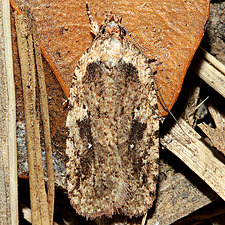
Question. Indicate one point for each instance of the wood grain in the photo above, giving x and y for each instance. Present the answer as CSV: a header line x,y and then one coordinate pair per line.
x,y
8,153
38,196
202,160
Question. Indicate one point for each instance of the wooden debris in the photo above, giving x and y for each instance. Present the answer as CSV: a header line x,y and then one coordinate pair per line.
x,y
214,209
212,60
196,155
8,153
216,136
210,74
46,124
217,111
180,192
39,203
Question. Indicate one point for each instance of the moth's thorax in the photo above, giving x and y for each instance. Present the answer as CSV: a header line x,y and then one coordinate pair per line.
x,y
109,41
110,51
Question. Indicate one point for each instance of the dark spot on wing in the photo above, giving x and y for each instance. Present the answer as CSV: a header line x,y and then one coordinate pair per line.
x,y
98,111
136,135
144,178
86,136
137,130
122,110
93,71
150,141
129,71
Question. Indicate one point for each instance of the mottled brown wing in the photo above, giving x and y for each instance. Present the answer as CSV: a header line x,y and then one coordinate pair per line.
x,y
113,132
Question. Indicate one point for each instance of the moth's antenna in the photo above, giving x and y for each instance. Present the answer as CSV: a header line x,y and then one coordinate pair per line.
x,y
127,31
89,14
166,107
94,25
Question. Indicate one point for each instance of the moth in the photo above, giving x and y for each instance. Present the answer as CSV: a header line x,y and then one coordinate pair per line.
x,y
113,138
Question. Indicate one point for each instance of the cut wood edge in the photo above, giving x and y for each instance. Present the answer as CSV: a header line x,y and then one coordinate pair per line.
x,y
12,144
196,155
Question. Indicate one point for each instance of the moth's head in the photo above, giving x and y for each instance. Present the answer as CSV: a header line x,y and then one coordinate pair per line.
x,y
112,26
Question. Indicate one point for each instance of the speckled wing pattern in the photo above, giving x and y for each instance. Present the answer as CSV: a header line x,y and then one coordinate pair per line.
x,y
113,125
